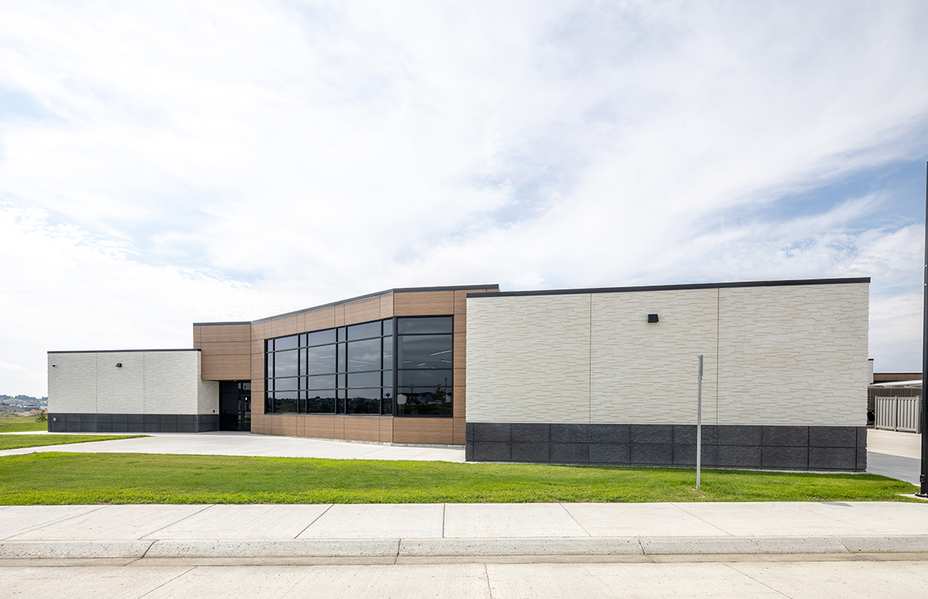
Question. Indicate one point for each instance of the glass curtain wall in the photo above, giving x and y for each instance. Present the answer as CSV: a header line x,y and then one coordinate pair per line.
x,y
343,370
424,366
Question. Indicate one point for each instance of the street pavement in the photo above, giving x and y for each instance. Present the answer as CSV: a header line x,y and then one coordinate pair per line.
x,y
721,580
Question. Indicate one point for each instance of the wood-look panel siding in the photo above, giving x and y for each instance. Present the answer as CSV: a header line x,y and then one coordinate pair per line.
x,y
422,430
362,428
386,305
458,435
363,310
320,318
211,333
386,429
423,303
225,351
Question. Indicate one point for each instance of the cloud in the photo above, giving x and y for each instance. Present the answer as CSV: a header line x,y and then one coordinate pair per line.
x,y
176,162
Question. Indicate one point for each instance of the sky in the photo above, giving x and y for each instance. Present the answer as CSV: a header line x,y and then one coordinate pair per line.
x,y
163,163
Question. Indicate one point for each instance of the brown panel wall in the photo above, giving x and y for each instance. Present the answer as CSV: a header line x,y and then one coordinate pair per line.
x,y
422,430
225,350
363,310
423,303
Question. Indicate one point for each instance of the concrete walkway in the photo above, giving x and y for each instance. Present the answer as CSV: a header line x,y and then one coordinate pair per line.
x,y
391,533
247,444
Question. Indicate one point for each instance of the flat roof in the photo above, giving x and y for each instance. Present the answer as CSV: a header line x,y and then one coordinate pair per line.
x,y
782,283
120,351
367,295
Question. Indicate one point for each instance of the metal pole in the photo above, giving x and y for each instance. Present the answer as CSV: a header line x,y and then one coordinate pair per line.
x,y
923,412
699,425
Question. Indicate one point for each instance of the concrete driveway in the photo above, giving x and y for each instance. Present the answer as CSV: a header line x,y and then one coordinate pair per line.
x,y
247,444
894,454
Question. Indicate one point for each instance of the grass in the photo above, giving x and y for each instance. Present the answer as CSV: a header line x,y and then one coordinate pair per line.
x,y
18,424
69,478
18,441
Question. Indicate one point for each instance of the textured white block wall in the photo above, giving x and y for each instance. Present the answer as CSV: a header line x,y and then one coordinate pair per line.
x,y
645,373
794,355
120,390
72,383
776,355
528,359
207,392
171,382
156,382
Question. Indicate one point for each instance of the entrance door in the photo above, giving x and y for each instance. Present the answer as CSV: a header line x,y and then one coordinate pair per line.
x,y
235,405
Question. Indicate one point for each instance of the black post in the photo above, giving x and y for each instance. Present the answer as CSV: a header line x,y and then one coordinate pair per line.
x,y
923,412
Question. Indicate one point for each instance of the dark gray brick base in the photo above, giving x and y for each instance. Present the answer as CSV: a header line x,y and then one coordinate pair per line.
x,y
132,423
730,446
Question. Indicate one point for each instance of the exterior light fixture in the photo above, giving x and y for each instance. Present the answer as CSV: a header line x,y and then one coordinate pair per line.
x,y
118,364
652,318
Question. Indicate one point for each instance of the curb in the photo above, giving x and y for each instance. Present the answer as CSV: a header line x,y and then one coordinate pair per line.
x,y
423,549
360,548
73,549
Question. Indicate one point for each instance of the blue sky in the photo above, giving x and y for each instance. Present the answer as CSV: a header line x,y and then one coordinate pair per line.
x,y
175,162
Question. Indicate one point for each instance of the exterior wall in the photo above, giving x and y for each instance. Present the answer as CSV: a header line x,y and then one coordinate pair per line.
x,y
225,350
782,364
802,352
152,391
450,301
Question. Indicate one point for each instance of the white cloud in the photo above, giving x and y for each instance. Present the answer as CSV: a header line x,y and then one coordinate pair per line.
x,y
199,161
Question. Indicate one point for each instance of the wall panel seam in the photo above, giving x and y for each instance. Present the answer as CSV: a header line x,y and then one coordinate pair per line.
x,y
718,357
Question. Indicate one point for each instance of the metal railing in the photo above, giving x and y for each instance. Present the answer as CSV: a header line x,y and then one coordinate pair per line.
x,y
897,413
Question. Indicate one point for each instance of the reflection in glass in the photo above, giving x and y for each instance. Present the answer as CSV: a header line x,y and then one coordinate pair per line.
x,y
430,324
423,401
322,337
424,351
364,331
364,355
364,401
387,353
364,379
326,381
321,402
285,342
322,359
285,363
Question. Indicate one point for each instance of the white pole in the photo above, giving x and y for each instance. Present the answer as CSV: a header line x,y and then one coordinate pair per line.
x,y
699,425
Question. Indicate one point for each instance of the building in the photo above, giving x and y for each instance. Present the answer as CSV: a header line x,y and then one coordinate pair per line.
x,y
567,376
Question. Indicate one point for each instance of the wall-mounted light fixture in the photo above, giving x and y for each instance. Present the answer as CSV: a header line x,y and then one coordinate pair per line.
x,y
652,318
118,364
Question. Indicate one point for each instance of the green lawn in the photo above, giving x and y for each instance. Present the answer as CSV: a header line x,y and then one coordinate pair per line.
x,y
18,441
69,478
18,424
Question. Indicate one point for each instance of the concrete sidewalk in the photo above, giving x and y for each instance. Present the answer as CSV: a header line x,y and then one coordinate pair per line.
x,y
392,533
248,444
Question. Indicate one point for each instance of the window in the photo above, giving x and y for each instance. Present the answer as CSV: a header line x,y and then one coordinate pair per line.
x,y
424,366
364,355
322,359
343,370
424,351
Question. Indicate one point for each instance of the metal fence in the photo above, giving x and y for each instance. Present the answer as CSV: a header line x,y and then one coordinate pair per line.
x,y
897,413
